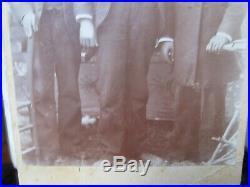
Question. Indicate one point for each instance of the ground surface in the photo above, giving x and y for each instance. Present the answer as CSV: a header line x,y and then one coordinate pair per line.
x,y
159,113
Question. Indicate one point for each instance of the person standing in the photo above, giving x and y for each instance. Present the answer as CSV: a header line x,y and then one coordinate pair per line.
x,y
201,67
54,30
125,34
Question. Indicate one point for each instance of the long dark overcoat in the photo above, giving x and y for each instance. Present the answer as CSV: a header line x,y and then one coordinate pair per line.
x,y
193,26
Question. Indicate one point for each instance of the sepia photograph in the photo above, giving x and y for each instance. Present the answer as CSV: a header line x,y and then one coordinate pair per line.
x,y
108,84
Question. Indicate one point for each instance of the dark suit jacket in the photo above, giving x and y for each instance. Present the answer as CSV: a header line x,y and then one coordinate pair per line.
x,y
193,25
99,12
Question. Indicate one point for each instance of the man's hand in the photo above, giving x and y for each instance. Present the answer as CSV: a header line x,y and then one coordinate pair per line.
x,y
167,51
29,24
87,34
216,43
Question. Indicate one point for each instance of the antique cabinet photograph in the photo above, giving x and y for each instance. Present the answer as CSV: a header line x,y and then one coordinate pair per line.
x,y
101,84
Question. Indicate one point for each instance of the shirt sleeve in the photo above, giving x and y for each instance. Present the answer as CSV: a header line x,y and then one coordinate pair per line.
x,y
83,16
163,39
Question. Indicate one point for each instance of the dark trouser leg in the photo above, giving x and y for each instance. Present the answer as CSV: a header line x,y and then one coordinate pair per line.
x,y
219,118
123,55
67,69
43,93
58,54
112,60
217,96
142,36
213,118
187,125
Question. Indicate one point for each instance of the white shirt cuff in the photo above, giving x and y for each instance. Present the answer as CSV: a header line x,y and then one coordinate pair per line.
x,y
83,16
225,35
164,39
